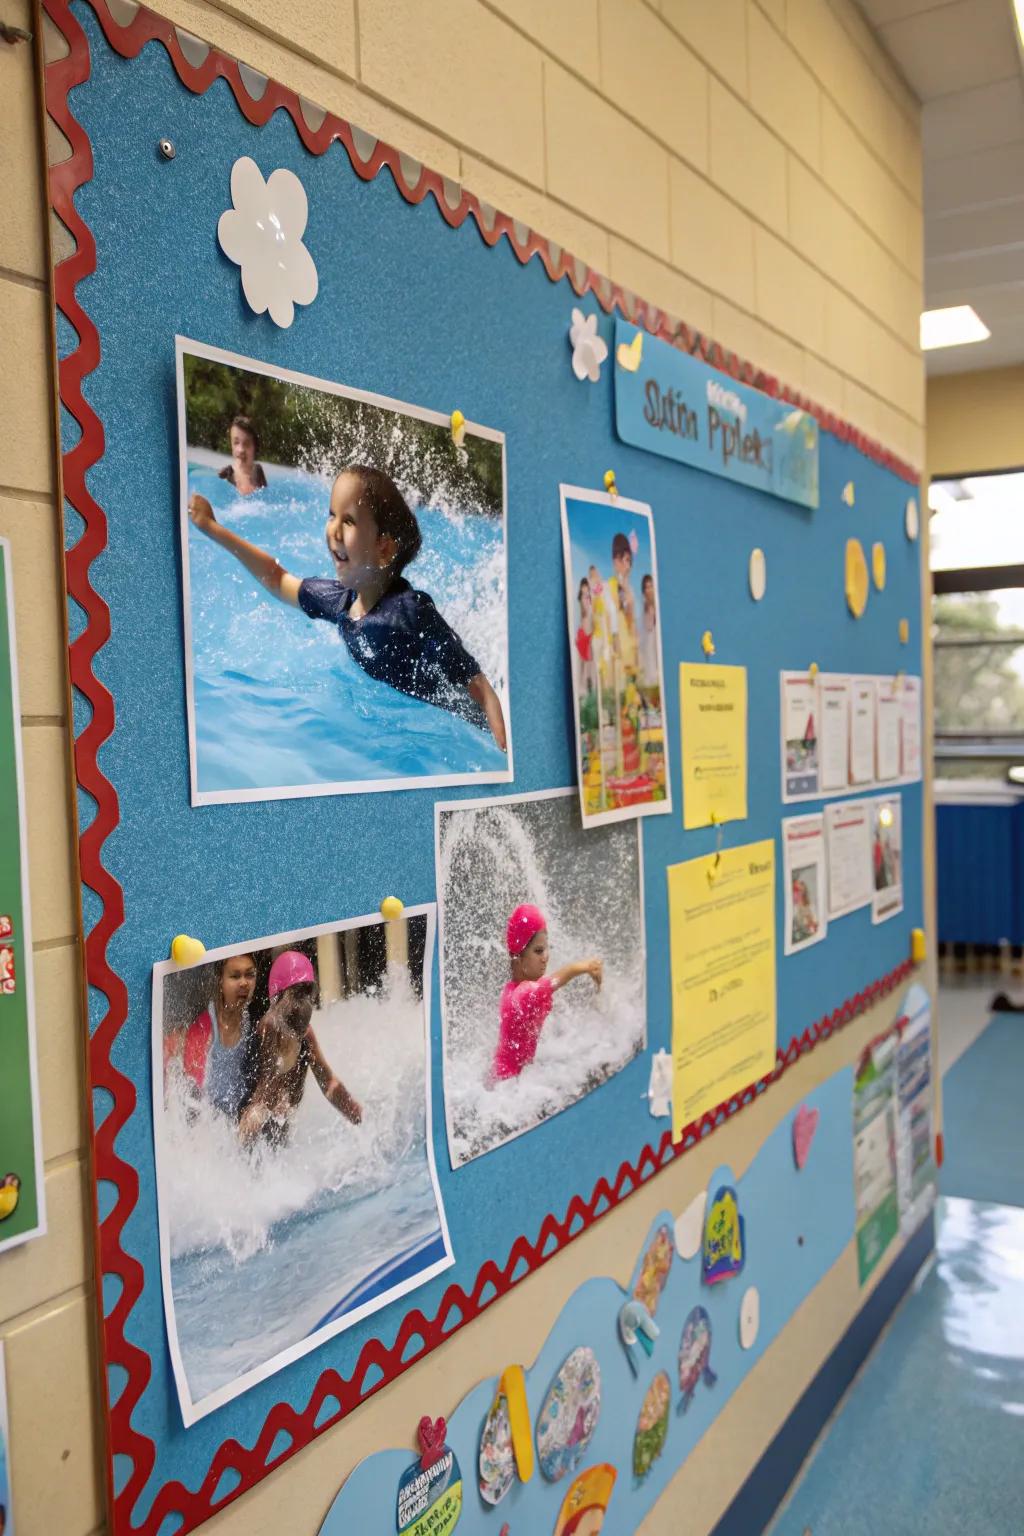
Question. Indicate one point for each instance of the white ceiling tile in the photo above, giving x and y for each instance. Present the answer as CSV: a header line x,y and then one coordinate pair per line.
x,y
881,12
978,119
955,47
982,229
977,270
971,181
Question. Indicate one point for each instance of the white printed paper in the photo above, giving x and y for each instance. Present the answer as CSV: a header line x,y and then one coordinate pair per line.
x,y
848,846
910,728
862,730
799,710
888,716
886,858
915,1166
803,849
834,724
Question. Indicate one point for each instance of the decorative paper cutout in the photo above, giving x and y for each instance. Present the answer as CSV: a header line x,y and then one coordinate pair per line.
x,y
262,233
654,1268
506,1442
652,1425
757,574
569,1415
805,1123
856,578
629,354
659,1089
724,1244
690,1227
431,1433
849,494
878,566
750,1315
588,1495
430,1493
588,349
695,1356
910,520
636,1325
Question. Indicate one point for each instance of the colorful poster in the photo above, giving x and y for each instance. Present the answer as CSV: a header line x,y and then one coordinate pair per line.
x,y
804,881
834,730
543,970
874,1153
915,1165
374,656
713,715
7,1522
910,728
801,772
613,606
673,404
722,942
862,730
888,720
886,858
296,1186
848,849
22,1195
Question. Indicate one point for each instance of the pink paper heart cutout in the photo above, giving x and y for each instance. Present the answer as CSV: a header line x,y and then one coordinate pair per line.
x,y
805,1123
431,1433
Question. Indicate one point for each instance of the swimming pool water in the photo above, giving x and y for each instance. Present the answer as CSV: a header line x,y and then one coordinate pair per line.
x,y
278,701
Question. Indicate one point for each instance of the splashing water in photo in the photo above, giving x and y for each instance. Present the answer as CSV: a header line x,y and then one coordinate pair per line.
x,y
269,1245
279,702
587,884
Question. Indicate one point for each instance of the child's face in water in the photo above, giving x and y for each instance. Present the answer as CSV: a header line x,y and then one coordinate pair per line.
x,y
533,961
238,981
359,550
243,449
298,1007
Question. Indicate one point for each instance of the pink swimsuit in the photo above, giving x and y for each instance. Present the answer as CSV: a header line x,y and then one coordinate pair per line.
x,y
524,1007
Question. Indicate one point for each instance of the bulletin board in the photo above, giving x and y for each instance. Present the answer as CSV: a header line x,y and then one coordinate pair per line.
x,y
426,295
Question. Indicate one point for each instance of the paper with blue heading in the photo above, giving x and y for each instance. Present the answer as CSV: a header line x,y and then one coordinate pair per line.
x,y
671,403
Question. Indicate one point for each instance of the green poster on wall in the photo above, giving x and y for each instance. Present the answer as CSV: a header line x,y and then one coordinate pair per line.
x,y
22,1210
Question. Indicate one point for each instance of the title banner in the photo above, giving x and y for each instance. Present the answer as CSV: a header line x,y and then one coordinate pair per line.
x,y
670,403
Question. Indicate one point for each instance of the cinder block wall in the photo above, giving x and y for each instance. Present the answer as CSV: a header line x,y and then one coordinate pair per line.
x,y
753,166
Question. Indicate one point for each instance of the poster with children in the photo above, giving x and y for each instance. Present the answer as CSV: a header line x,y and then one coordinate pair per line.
x,y
886,858
345,588
805,881
296,1184
543,994
613,606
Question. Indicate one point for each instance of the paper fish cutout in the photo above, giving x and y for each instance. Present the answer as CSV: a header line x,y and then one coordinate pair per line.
x,y
629,354
506,1442
805,1123
430,1498
690,1227
569,1416
695,1356
654,1268
652,1425
849,494
588,1495
636,1325
724,1246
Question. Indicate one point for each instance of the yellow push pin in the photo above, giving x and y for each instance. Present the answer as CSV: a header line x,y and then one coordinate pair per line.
x,y
707,645
609,482
186,951
458,425
918,946
391,908
812,671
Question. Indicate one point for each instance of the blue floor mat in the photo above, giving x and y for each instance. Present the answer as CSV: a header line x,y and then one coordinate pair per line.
x,y
983,1117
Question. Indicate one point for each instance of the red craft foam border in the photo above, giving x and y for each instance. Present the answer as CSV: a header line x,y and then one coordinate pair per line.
x,y
367,157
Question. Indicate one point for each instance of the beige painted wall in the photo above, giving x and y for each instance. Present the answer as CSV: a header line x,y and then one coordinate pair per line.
x,y
753,166
976,421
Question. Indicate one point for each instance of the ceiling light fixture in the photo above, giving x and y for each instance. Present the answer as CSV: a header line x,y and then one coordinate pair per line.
x,y
953,327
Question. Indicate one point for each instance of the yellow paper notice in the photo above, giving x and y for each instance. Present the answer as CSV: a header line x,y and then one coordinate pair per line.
x,y
713,709
723,977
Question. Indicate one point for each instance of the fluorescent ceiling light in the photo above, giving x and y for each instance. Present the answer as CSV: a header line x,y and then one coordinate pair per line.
x,y
951,327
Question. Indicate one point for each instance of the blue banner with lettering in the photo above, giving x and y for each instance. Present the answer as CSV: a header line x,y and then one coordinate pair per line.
x,y
671,403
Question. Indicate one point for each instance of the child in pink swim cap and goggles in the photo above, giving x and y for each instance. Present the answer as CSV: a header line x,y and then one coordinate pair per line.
x,y
526,999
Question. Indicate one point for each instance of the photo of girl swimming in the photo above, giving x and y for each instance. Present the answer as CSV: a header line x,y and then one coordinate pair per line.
x,y
324,1205
611,588
542,962
303,500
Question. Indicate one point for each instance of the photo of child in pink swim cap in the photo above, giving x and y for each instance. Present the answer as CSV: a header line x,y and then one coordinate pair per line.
x,y
542,962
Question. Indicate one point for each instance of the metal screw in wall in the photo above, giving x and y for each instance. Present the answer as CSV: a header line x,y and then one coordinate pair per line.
x,y
166,148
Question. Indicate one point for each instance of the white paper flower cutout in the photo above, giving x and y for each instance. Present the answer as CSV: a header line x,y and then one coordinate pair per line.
x,y
588,350
263,233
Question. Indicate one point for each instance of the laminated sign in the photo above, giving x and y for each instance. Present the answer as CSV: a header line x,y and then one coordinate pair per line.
x,y
430,1498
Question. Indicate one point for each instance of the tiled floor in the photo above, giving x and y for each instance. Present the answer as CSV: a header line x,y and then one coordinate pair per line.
x,y
928,1437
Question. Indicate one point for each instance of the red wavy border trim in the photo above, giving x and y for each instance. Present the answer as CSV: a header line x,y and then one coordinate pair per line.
x,y
457,1307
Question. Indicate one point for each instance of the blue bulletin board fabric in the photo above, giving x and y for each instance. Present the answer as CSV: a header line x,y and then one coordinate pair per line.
x,y
421,308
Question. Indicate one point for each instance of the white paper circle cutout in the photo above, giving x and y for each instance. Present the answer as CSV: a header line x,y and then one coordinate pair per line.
x,y
690,1227
910,520
262,233
750,1316
757,574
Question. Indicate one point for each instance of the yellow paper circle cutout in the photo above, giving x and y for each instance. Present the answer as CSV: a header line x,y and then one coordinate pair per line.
x,y
856,577
878,565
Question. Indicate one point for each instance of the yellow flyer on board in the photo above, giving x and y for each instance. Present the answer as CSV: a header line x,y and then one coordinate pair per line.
x,y
722,934
713,712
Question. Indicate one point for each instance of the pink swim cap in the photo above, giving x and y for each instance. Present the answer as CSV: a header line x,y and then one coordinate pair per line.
x,y
289,970
522,925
